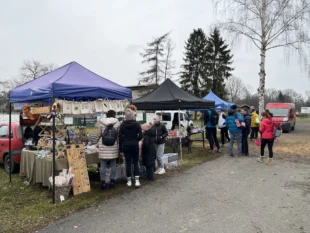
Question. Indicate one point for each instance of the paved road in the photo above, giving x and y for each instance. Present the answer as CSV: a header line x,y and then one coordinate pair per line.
x,y
235,195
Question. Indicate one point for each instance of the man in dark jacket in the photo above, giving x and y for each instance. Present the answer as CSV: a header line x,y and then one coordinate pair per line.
x,y
211,120
246,131
130,133
160,133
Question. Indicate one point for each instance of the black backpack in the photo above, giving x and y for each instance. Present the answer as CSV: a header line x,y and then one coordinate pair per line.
x,y
109,136
214,118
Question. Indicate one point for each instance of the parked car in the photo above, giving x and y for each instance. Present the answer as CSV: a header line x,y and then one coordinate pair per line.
x,y
167,118
284,114
17,145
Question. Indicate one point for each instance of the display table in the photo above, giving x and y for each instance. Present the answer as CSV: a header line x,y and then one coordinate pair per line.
x,y
39,170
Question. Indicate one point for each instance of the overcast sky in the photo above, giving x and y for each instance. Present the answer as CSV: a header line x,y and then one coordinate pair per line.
x,y
107,37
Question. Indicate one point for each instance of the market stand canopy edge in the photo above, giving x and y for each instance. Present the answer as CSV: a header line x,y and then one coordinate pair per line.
x,y
168,96
70,82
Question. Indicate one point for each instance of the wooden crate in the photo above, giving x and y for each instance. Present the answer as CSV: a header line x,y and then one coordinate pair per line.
x,y
41,110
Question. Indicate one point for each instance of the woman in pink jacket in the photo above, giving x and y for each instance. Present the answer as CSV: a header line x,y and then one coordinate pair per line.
x,y
267,134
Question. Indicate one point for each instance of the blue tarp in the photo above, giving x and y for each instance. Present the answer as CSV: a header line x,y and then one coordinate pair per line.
x,y
71,82
219,103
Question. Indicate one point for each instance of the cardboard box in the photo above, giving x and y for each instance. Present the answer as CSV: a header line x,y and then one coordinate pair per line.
x,y
41,110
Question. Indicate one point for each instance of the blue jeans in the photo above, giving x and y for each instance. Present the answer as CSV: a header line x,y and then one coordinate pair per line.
x,y
234,136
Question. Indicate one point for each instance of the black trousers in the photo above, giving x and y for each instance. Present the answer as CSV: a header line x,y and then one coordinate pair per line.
x,y
268,142
212,138
254,132
132,158
245,144
150,172
224,134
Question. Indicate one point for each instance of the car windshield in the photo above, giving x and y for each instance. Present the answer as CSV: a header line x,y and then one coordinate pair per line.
x,y
166,116
279,112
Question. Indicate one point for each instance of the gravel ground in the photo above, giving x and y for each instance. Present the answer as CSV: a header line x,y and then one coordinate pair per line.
x,y
235,195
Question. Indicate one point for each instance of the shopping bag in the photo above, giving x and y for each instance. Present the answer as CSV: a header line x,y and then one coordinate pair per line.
x,y
258,142
99,106
85,108
76,108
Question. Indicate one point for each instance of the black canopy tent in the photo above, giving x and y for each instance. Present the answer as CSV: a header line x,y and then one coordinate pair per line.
x,y
168,96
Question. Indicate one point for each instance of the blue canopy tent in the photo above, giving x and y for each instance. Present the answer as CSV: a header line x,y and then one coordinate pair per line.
x,y
219,103
70,82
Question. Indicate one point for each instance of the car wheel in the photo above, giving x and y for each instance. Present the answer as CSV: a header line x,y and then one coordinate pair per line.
x,y
7,165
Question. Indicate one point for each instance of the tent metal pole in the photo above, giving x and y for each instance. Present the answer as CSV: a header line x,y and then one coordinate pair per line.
x,y
54,154
180,137
10,142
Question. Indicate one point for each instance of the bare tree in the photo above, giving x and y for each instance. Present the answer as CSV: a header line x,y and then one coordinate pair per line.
x,y
169,62
235,89
30,70
269,24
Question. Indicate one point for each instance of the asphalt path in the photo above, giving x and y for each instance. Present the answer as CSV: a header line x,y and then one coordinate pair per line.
x,y
235,195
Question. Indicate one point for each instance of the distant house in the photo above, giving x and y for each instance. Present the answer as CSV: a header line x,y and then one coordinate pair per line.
x,y
141,90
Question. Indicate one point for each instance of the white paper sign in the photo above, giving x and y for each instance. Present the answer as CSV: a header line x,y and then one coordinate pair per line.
x,y
305,110
62,198
68,120
139,116
150,117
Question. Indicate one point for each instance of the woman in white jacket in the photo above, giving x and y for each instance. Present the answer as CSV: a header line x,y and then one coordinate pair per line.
x,y
108,153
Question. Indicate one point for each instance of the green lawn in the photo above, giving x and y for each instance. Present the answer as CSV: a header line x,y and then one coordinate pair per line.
x,y
27,208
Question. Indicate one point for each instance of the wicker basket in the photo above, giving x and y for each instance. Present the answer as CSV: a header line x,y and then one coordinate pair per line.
x,y
63,191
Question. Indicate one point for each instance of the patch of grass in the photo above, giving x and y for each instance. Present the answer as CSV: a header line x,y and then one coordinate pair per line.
x,y
28,208
303,119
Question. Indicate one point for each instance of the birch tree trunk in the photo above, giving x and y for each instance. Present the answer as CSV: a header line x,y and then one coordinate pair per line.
x,y
262,77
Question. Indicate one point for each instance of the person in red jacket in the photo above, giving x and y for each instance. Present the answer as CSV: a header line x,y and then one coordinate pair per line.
x,y
267,135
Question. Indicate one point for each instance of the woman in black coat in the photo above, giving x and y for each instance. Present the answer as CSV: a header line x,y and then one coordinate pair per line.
x,y
148,151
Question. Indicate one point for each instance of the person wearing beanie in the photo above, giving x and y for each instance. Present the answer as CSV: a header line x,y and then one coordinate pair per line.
x,y
255,123
130,134
233,123
148,151
159,133
108,153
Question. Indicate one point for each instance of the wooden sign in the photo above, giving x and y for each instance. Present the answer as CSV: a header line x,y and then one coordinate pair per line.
x,y
77,162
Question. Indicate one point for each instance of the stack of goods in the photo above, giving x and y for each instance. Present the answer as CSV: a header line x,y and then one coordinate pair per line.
x,y
196,130
170,160
92,139
177,133
63,179
90,149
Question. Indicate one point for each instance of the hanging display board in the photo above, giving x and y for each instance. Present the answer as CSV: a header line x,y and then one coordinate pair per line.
x,y
90,108
77,163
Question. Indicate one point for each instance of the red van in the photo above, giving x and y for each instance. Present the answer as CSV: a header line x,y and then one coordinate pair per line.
x,y
17,145
284,114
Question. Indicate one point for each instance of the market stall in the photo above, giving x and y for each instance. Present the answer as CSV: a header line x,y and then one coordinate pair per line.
x,y
69,89
168,96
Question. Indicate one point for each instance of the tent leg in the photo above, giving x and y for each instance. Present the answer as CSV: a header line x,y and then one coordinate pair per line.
x,y
10,142
180,137
54,157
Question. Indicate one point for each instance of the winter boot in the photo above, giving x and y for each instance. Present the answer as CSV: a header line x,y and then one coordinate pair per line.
x,y
112,184
261,159
269,162
129,182
137,183
103,186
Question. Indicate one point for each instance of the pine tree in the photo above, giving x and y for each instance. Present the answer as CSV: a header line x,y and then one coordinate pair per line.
x,y
219,61
194,77
154,56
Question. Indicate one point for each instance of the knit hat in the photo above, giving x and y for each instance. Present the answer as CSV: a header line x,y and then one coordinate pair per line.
x,y
146,126
129,115
234,107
